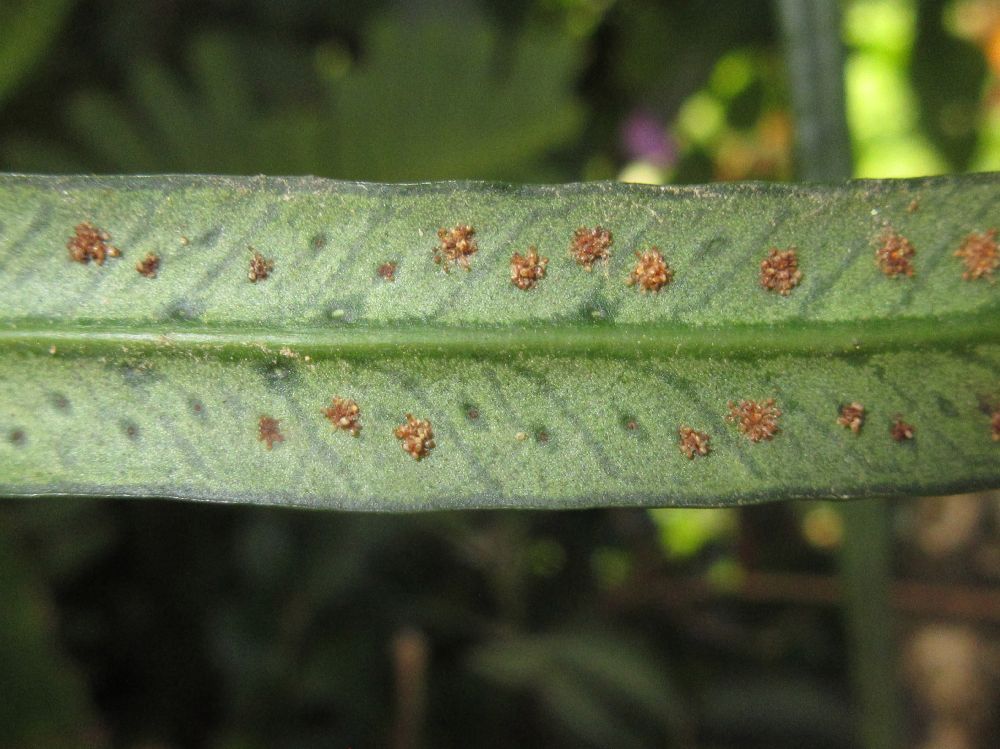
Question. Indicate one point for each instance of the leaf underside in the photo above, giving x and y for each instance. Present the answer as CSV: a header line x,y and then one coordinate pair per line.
x,y
569,394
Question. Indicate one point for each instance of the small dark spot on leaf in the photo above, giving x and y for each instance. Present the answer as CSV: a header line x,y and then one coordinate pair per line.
x,y
946,407
542,437
183,309
210,237
198,407
138,374
277,374
472,412
318,242
131,429
61,402
17,437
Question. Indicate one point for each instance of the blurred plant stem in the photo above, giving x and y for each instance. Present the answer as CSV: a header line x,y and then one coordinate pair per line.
x,y
815,62
410,656
866,571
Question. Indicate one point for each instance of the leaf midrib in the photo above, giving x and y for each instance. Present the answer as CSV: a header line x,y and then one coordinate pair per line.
x,y
807,338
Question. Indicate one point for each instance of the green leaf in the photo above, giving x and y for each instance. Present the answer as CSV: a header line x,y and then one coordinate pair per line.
x,y
569,394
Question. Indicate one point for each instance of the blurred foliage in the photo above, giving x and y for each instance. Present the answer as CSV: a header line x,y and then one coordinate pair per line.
x,y
157,624
467,105
591,685
29,28
44,703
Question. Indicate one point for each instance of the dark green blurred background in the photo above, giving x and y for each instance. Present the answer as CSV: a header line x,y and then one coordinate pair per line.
x,y
158,625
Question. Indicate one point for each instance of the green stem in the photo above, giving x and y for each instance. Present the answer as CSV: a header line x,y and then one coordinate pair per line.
x,y
815,63
866,573
814,57
798,338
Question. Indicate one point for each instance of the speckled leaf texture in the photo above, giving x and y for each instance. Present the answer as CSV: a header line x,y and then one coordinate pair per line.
x,y
568,394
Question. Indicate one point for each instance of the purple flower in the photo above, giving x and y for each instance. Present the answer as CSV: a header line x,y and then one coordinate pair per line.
x,y
644,137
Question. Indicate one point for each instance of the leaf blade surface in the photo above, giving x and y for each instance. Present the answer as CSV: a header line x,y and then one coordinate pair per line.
x,y
576,388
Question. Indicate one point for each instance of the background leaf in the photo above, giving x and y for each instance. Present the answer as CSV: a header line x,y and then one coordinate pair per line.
x,y
469,98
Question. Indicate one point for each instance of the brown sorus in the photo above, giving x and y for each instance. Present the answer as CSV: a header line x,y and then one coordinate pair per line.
x,y
996,425
148,265
779,271
344,414
979,253
455,246
591,245
527,270
268,431
90,243
387,271
757,420
651,272
416,437
852,416
894,254
260,267
693,442
900,430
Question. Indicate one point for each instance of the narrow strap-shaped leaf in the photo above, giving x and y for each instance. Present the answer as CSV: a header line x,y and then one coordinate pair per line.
x,y
570,392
